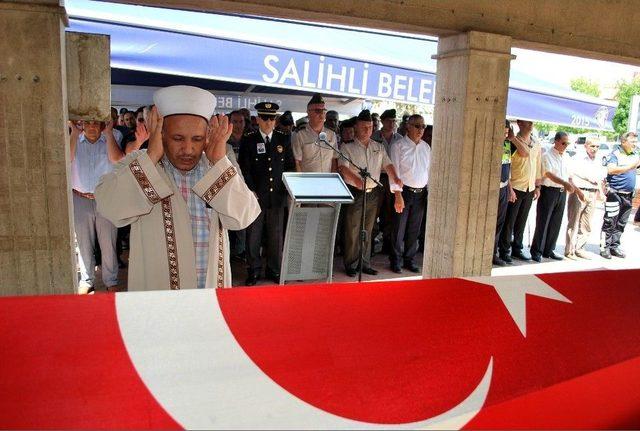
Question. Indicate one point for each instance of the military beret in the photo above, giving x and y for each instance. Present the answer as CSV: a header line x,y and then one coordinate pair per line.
x,y
316,99
389,113
267,108
364,115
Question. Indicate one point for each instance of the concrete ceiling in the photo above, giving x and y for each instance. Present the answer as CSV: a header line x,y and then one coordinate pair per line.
x,y
599,29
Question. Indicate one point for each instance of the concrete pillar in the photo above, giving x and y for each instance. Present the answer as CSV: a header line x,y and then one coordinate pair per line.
x,y
470,107
36,247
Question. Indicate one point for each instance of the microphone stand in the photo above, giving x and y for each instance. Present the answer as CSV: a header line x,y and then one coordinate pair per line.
x,y
364,174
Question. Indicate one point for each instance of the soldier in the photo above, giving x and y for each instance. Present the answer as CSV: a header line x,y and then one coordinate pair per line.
x,y
310,154
264,155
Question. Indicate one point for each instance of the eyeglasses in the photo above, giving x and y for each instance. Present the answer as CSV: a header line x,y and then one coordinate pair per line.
x,y
564,143
419,126
267,117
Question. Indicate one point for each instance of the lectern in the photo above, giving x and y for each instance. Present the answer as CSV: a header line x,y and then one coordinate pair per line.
x,y
311,228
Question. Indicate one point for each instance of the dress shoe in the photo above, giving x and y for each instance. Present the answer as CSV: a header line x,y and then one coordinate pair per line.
x,y
605,254
370,271
553,256
618,253
396,268
583,254
351,272
251,280
273,276
506,259
519,255
536,257
498,262
412,267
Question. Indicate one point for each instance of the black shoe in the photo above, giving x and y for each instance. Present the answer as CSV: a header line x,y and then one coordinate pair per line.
x,y
273,276
618,253
536,257
498,262
411,267
553,256
351,272
506,259
251,280
605,254
521,256
370,271
396,268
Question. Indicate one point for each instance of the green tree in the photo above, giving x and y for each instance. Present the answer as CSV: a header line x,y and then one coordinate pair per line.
x,y
626,90
585,86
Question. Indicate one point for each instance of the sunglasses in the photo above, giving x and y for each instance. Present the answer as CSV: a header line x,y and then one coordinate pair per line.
x,y
266,117
564,143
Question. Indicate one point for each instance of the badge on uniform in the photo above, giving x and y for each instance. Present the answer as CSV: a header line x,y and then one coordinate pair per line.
x,y
280,148
261,148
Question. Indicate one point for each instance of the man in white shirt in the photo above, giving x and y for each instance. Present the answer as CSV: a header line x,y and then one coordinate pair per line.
x,y
587,174
95,147
411,157
556,183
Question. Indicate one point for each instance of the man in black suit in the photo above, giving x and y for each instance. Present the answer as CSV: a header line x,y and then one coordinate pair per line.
x,y
264,155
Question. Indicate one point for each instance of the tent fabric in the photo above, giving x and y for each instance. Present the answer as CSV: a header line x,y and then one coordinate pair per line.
x,y
143,45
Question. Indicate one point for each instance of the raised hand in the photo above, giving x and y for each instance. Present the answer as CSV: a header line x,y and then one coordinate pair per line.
x,y
142,134
219,131
155,150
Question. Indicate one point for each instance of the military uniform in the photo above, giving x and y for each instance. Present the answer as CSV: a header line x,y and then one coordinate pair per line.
x,y
262,160
313,156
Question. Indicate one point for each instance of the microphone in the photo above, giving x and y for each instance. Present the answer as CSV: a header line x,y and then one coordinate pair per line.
x,y
322,136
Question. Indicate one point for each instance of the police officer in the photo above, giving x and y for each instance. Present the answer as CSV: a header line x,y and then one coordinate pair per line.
x,y
621,181
264,155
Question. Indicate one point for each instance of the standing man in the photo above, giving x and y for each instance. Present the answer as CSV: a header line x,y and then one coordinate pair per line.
x,y
506,193
621,181
387,135
526,175
411,157
264,155
376,122
180,196
556,183
368,153
93,154
310,154
238,122
587,174
332,121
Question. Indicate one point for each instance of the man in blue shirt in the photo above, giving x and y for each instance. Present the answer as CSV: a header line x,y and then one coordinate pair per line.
x,y
621,181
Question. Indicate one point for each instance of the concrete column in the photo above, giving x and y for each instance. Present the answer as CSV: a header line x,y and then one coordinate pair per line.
x,y
471,98
36,241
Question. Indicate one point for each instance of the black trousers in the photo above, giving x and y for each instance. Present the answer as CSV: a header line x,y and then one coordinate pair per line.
x,y
405,227
549,214
503,204
352,215
385,213
617,210
515,222
271,222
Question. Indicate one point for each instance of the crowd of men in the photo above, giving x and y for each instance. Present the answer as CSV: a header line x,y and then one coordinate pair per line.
x,y
530,174
397,155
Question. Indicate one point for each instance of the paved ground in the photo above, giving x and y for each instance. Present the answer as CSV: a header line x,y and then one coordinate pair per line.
x,y
630,243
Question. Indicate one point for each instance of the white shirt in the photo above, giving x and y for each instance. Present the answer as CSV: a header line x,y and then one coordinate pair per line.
x,y
587,173
411,161
265,136
90,163
557,164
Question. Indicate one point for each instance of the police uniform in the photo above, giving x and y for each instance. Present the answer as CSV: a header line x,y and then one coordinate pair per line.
x,y
619,202
263,159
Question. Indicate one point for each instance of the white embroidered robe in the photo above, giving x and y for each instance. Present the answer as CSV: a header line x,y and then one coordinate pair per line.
x,y
161,251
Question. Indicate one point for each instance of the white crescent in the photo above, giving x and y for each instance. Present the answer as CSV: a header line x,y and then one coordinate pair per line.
x,y
186,355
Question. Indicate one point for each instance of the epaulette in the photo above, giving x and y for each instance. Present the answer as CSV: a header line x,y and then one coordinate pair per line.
x,y
250,133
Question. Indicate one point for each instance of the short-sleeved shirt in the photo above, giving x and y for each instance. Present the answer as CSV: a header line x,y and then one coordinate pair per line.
x,y
557,164
373,156
91,161
313,156
625,182
526,170
587,173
